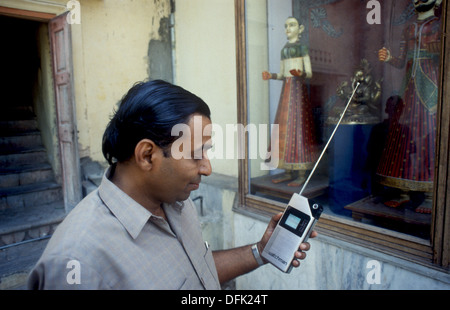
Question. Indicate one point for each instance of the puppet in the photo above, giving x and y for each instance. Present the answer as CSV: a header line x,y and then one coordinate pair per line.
x,y
297,140
407,162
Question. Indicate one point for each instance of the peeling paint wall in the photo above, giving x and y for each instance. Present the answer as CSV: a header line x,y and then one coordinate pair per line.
x,y
160,53
110,54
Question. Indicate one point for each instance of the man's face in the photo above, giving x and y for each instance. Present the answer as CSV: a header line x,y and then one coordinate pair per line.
x,y
179,176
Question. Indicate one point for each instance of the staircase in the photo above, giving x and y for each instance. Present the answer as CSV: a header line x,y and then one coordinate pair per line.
x,y
31,201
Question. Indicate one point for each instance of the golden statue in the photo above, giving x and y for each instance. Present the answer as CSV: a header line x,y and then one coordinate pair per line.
x,y
364,108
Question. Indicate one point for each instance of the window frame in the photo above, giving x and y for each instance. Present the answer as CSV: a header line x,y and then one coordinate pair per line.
x,y
436,251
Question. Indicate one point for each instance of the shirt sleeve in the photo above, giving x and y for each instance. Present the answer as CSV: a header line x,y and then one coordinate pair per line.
x,y
60,273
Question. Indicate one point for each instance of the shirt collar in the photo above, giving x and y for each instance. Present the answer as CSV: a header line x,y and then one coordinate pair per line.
x,y
130,214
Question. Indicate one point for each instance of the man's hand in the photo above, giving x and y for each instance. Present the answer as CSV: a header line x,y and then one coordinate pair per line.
x,y
299,255
238,261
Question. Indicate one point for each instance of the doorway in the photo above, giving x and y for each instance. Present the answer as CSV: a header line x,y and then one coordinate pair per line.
x,y
39,164
29,173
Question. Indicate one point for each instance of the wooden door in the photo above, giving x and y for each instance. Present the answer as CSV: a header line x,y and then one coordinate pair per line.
x,y
60,40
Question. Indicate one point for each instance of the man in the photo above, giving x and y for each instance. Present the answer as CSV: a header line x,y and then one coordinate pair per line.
x,y
139,229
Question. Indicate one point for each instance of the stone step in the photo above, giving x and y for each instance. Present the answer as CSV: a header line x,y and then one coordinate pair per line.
x,y
31,223
25,174
31,202
27,196
8,127
22,156
23,237
20,140
16,262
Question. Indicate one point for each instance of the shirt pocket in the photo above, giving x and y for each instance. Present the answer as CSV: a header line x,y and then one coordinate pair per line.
x,y
209,276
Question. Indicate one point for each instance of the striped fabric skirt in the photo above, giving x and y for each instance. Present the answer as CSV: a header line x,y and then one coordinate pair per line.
x,y
297,140
407,161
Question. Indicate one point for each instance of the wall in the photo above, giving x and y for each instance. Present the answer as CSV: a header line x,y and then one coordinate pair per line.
x,y
110,54
206,62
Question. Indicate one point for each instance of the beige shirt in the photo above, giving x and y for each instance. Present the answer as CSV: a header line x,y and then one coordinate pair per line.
x,y
109,241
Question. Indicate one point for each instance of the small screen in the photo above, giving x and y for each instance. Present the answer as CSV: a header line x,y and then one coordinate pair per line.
x,y
292,221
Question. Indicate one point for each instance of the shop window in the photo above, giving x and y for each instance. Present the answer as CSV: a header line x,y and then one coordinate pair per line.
x,y
298,65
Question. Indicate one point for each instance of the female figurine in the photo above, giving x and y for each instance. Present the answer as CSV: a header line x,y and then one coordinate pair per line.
x,y
297,140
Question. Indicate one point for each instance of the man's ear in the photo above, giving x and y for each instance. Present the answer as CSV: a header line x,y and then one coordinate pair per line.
x,y
144,153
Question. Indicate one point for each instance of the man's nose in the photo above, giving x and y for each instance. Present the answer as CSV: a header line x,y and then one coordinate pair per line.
x,y
205,167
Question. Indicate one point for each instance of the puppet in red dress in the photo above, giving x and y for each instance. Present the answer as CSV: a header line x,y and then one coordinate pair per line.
x,y
407,162
297,140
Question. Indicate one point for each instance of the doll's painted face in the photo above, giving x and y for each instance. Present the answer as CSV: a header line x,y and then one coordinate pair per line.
x,y
293,29
424,5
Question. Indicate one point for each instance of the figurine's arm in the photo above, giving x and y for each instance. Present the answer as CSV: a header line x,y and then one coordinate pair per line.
x,y
266,75
385,55
307,66
302,67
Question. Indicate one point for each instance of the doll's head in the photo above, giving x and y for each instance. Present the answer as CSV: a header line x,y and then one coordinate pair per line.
x,y
422,6
293,29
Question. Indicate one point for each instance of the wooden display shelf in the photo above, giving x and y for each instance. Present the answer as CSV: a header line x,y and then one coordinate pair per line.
x,y
370,208
317,186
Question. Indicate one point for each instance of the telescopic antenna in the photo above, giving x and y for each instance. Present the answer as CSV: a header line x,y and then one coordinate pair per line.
x,y
329,140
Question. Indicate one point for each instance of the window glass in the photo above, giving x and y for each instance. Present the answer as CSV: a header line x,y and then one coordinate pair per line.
x,y
304,60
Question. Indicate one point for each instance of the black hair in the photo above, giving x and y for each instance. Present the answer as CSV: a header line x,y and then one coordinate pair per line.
x,y
149,111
